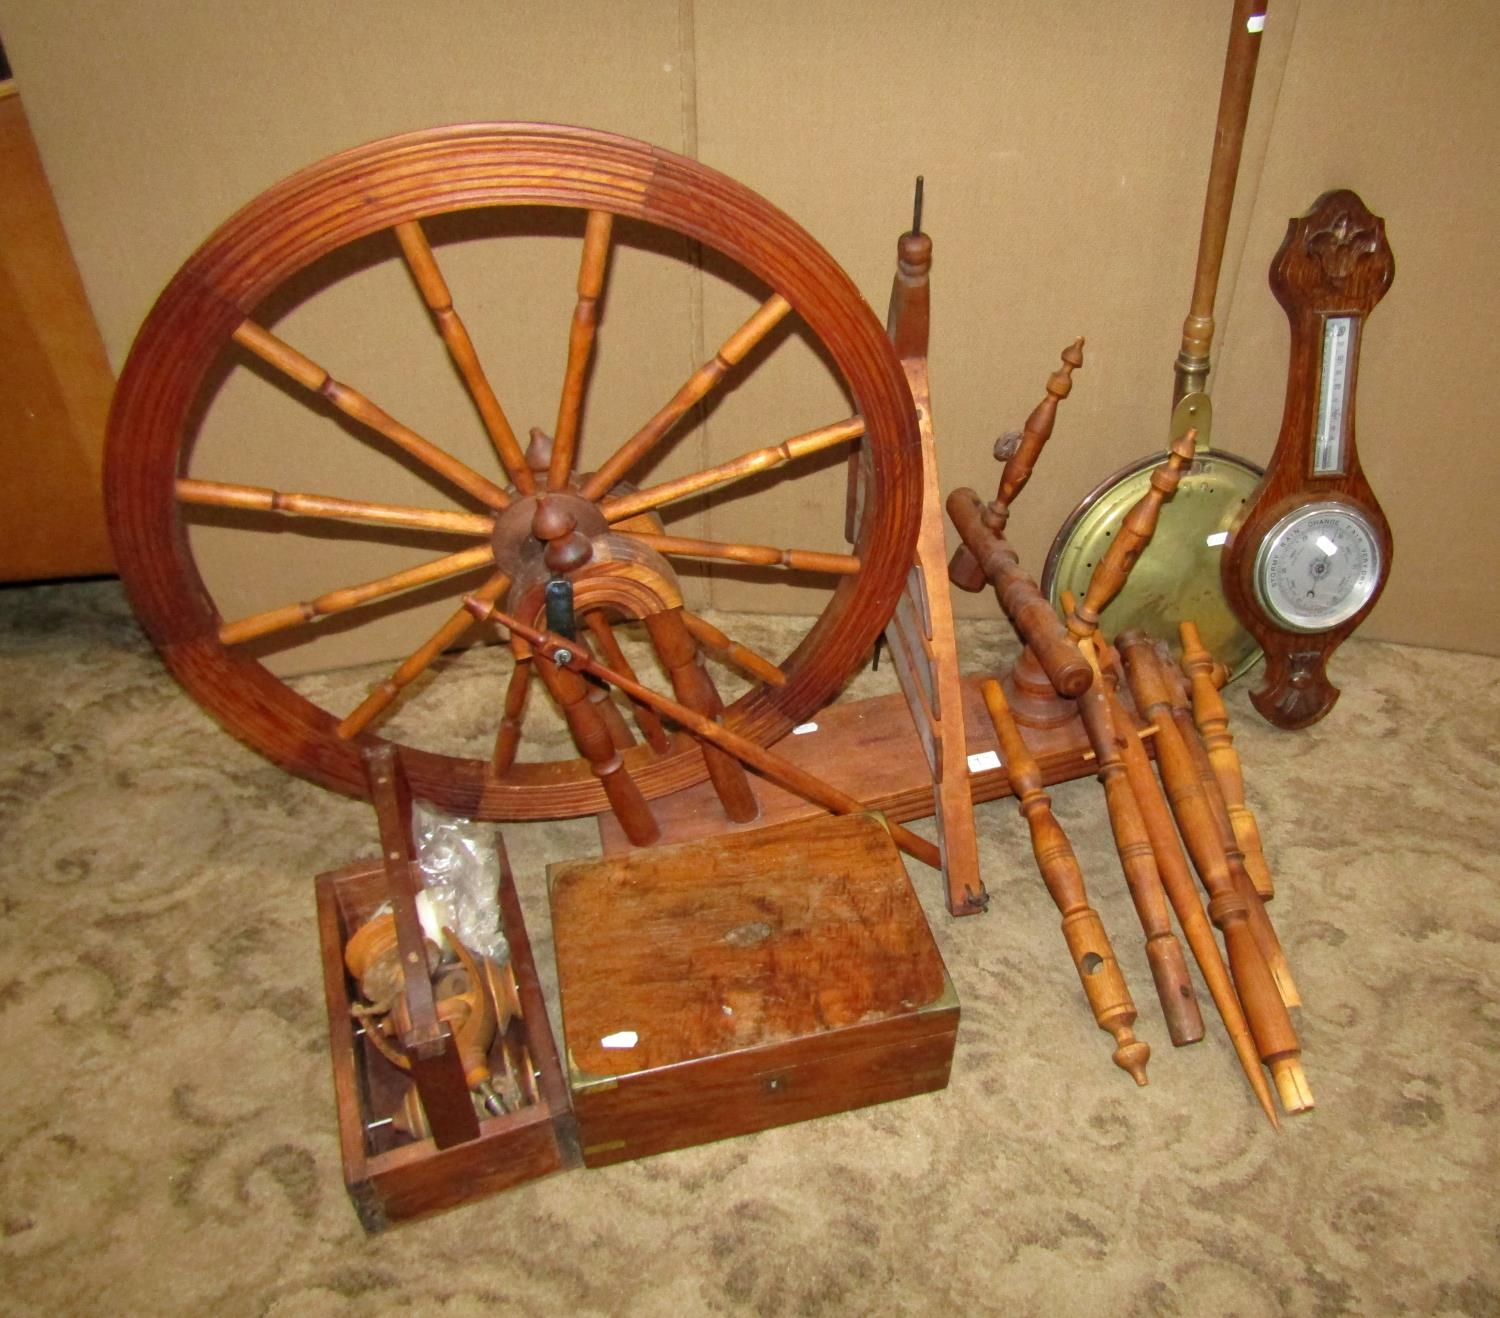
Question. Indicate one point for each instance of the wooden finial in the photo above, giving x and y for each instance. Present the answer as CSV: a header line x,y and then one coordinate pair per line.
x,y
567,547
1019,452
1135,534
539,451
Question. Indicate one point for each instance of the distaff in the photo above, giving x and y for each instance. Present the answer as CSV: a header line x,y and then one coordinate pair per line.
x,y
1093,957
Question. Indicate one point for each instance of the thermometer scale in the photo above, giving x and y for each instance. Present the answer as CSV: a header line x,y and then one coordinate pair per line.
x,y
1310,554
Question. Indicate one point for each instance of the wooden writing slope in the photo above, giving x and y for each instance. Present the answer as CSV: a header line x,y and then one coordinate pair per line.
x,y
719,987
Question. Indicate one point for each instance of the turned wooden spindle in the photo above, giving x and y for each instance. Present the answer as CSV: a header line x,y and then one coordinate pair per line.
x,y
353,597
591,735
1021,600
306,372
1169,972
227,494
678,652
1175,685
621,505
1019,453
383,694
1093,957
1275,1037
1182,890
1212,719
1135,533
1212,841
609,713
798,560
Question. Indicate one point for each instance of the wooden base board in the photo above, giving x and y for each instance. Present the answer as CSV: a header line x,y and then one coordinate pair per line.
x,y
870,749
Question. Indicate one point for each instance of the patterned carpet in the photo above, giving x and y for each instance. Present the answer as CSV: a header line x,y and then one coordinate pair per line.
x,y
170,1143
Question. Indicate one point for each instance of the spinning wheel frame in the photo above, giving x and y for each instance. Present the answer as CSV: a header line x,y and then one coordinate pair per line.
x,y
406,179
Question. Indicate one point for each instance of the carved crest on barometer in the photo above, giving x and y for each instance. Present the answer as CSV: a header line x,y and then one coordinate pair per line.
x,y
1340,244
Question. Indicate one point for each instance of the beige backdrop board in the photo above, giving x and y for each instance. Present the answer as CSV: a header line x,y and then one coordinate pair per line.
x,y
1065,151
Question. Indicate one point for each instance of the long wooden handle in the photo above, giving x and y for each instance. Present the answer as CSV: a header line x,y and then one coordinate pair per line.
x,y
1229,140
1094,959
557,651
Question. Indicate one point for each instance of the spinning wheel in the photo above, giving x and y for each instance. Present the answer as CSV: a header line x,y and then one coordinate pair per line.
x,y
538,517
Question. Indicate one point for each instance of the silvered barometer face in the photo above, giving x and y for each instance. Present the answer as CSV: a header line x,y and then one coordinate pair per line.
x,y
1318,566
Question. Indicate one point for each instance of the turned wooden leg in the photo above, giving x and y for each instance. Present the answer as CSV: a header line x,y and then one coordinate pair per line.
x,y
690,680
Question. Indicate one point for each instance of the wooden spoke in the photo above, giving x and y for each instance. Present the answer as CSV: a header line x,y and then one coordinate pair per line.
x,y
508,738
222,494
646,718
734,348
416,663
747,464
730,651
580,346
434,289
351,597
798,560
351,402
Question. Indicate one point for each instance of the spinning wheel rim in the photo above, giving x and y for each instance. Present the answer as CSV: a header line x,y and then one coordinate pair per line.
x,y
412,177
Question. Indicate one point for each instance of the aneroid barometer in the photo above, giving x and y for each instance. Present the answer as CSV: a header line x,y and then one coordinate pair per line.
x,y
1307,559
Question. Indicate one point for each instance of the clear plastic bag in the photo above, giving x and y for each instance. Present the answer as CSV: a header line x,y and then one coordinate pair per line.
x,y
461,870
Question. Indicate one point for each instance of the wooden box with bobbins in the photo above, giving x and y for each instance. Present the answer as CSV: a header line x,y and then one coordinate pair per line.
x,y
738,983
414,1136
